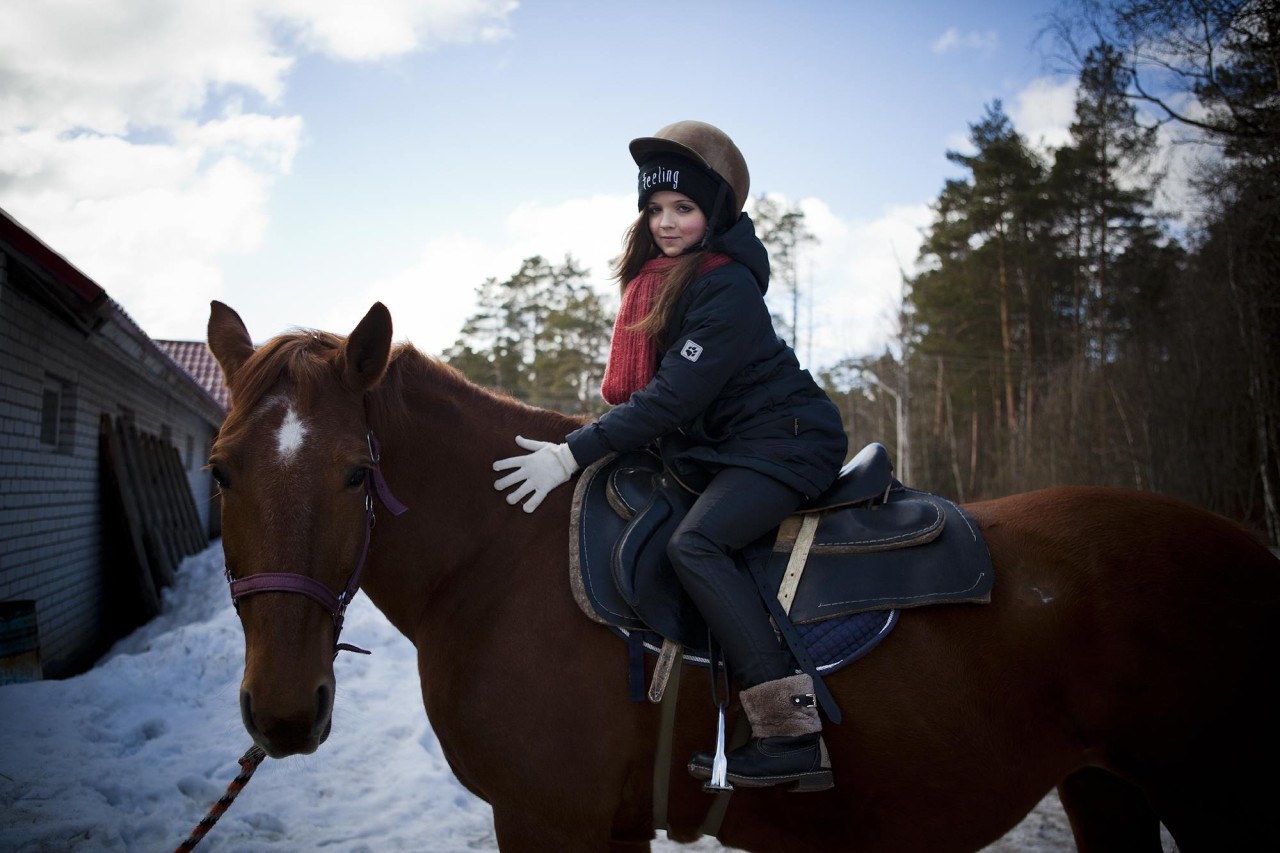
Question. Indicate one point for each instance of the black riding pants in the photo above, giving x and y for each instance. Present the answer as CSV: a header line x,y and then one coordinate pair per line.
x,y
738,507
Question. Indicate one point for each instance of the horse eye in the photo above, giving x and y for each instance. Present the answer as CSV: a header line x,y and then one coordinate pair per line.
x,y
219,477
357,478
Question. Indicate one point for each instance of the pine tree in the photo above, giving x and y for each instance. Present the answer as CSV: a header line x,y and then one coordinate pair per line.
x,y
1006,176
541,335
1226,55
1111,161
975,306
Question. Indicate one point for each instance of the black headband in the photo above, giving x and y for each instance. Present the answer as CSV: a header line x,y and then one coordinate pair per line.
x,y
681,175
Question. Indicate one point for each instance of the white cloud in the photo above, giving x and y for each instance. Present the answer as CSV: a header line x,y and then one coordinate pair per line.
x,y
376,30
1183,156
854,275
150,222
430,300
850,280
155,246
109,67
1043,111
114,65
953,39
107,147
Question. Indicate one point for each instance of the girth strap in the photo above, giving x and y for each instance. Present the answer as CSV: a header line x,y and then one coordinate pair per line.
x,y
666,729
799,557
669,660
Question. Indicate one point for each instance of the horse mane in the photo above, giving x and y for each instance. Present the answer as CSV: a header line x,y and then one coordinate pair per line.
x,y
305,357
409,370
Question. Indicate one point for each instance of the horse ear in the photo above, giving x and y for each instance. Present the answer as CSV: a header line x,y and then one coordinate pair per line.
x,y
364,358
228,339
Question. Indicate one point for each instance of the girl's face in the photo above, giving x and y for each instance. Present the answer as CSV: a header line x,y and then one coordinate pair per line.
x,y
675,222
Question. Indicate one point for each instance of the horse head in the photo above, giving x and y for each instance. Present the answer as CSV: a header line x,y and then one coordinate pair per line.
x,y
294,462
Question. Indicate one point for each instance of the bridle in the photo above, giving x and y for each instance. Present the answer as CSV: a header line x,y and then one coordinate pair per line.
x,y
334,605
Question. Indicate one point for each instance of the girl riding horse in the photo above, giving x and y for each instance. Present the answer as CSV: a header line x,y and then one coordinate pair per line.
x,y
695,362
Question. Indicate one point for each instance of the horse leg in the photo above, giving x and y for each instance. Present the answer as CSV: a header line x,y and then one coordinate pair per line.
x,y
529,829
519,833
1108,814
518,830
1214,811
616,846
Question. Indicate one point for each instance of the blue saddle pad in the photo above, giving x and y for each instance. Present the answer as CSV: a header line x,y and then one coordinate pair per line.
x,y
832,643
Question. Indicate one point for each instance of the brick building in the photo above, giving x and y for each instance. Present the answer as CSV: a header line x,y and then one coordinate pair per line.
x,y
71,361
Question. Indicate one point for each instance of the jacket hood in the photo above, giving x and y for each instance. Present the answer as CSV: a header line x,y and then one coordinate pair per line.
x,y
740,242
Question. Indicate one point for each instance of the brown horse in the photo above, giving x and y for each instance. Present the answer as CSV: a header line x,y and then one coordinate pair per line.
x,y
1128,655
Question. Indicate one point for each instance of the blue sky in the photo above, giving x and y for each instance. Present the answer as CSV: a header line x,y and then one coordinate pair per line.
x,y
300,160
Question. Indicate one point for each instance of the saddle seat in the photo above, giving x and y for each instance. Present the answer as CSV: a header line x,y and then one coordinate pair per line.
x,y
866,476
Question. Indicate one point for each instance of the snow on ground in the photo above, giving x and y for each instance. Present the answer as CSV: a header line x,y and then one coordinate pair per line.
x,y
130,755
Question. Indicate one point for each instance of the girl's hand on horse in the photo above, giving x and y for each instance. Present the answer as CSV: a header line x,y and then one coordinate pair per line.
x,y
538,472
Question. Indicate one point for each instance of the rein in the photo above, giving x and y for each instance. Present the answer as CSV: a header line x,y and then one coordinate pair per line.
x,y
334,605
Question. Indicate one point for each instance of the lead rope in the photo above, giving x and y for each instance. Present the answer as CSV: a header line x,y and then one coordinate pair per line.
x,y
248,762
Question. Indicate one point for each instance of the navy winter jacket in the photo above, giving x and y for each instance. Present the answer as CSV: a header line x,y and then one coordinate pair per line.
x,y
728,390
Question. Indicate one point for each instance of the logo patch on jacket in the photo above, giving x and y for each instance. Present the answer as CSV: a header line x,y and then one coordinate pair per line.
x,y
691,350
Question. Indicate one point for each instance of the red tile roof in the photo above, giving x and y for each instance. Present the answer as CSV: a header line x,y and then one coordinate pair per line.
x,y
194,357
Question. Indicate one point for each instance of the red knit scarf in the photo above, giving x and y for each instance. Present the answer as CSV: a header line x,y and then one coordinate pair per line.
x,y
633,355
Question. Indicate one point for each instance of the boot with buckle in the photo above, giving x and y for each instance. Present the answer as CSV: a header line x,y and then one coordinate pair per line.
x,y
786,747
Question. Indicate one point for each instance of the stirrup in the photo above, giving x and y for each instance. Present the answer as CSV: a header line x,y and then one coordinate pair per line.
x,y
719,781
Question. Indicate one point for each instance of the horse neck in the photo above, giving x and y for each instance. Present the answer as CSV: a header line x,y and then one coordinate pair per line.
x,y
459,541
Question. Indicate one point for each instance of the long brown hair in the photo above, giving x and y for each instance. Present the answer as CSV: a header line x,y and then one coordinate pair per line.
x,y
638,249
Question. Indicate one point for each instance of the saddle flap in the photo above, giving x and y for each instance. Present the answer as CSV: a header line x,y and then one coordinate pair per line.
x,y
887,572
643,531
623,515
643,574
594,527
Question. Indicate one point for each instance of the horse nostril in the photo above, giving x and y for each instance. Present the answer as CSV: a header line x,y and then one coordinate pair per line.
x,y
246,712
323,715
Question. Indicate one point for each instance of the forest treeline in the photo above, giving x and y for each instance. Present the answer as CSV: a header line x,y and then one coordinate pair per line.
x,y
1063,328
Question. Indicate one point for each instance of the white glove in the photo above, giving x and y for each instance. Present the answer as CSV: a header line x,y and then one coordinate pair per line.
x,y
538,472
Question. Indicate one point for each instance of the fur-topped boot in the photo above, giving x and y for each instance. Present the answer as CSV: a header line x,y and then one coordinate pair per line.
x,y
786,745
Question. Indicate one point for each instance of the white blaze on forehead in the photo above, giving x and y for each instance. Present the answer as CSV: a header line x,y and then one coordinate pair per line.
x,y
291,434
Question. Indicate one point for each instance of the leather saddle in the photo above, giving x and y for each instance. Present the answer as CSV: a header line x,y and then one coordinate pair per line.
x,y
868,543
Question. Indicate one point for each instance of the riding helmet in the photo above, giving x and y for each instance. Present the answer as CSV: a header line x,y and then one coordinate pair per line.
x,y
707,146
